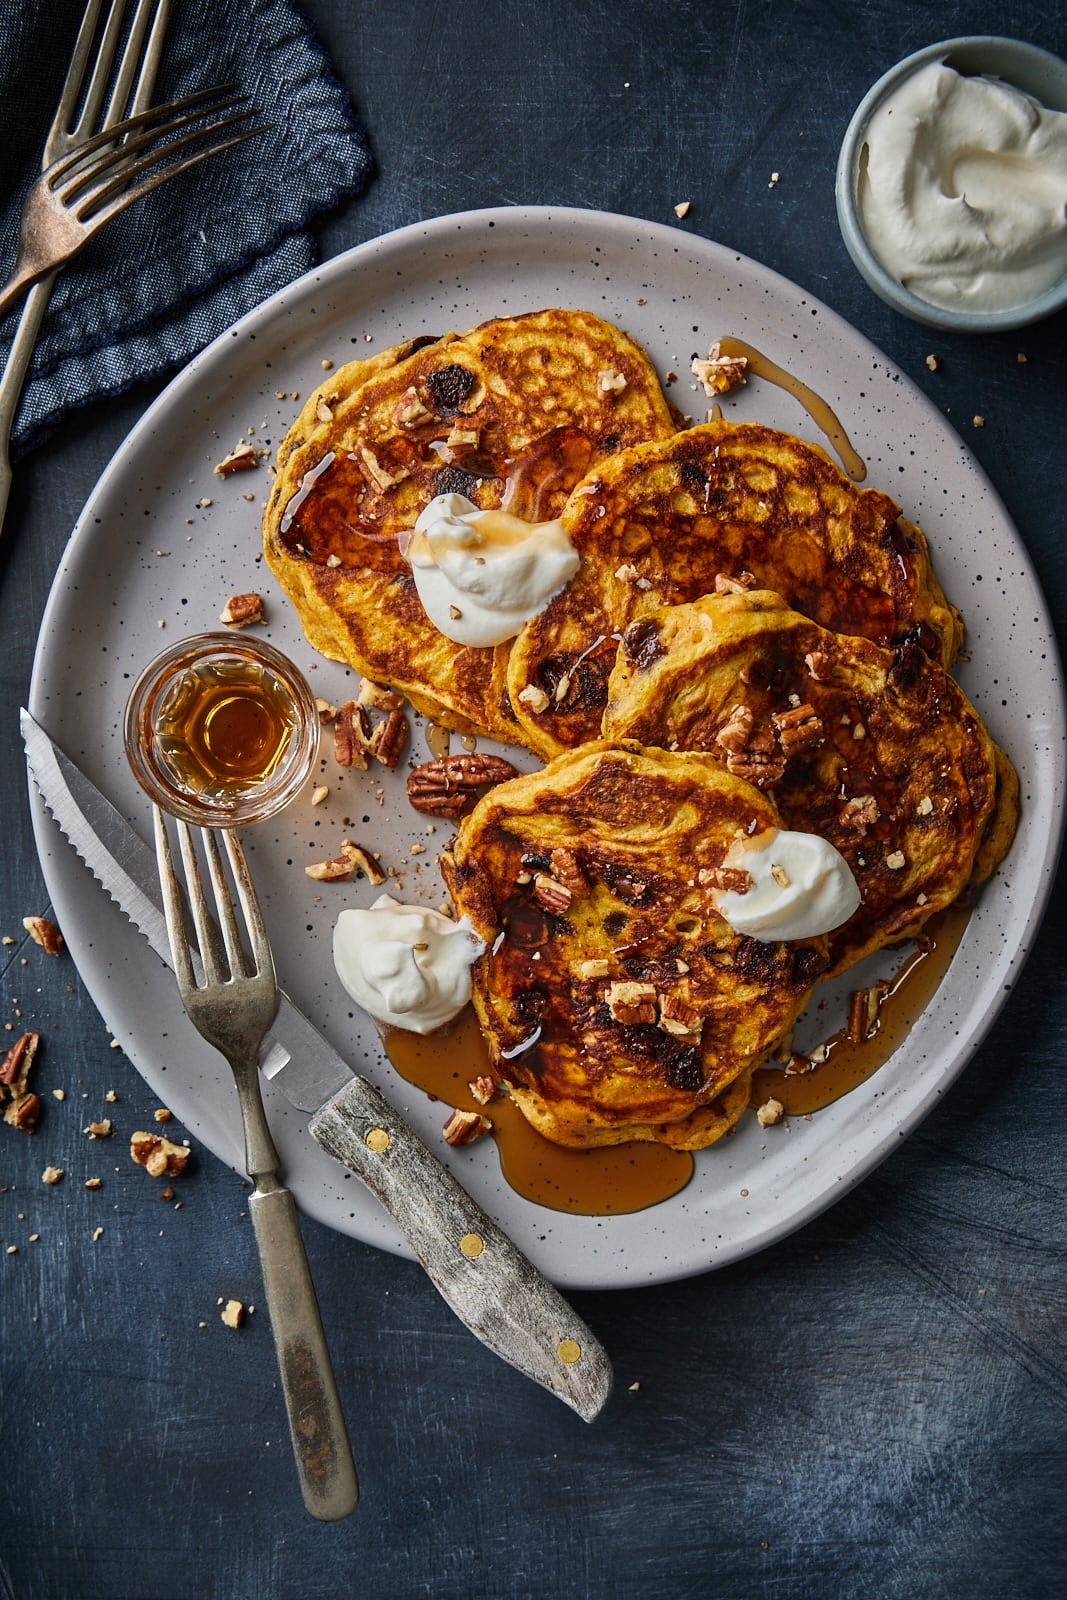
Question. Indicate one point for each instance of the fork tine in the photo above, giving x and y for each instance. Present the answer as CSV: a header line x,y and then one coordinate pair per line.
x,y
246,890
172,903
98,81
99,213
72,85
125,99
155,118
206,936
235,955
120,162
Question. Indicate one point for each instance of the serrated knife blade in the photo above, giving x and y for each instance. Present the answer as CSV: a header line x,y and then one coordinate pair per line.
x,y
497,1292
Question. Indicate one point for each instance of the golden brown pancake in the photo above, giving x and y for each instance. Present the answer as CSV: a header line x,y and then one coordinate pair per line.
x,y
879,751
615,1000
511,414
657,525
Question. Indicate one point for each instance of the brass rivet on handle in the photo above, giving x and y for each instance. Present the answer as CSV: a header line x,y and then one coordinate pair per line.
x,y
377,1139
472,1244
569,1351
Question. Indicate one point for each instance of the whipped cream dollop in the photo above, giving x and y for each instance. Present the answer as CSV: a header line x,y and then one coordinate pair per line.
x,y
800,886
408,966
964,192
481,574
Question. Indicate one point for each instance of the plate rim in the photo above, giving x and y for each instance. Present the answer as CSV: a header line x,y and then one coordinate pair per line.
x,y
337,268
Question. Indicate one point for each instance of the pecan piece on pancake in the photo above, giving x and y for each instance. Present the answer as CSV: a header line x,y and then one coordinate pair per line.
x,y
567,871
736,730
758,767
630,1002
442,788
554,896
799,729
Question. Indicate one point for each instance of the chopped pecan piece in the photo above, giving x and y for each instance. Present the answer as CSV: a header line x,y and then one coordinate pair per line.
x,y
242,458
555,897
389,738
325,712
863,1007
758,767
443,787
676,1016
44,933
233,1313
728,880
463,1127
630,1001
859,813
818,664
482,1089
798,1064
599,968
770,1112
101,1130
16,1064
23,1112
739,585
534,698
352,736
51,1175
568,872
372,694
736,730
799,729
158,1155
610,382
717,372
380,476
342,866
322,410
242,610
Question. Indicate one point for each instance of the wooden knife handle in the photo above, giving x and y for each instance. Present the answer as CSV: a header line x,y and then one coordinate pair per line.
x,y
485,1278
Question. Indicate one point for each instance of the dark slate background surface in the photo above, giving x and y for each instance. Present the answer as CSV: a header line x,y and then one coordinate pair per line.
x,y
873,1407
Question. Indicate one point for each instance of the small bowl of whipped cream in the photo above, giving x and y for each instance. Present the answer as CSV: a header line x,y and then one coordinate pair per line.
x,y
952,185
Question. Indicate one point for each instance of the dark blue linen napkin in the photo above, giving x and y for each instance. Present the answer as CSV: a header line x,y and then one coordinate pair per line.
x,y
162,280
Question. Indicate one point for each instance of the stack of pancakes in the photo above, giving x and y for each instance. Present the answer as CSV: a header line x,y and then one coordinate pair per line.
x,y
750,642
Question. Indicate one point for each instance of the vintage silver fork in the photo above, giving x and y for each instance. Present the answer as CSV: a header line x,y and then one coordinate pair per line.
x,y
82,191
85,87
233,1008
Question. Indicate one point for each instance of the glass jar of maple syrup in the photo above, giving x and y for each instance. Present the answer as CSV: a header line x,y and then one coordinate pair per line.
x,y
221,730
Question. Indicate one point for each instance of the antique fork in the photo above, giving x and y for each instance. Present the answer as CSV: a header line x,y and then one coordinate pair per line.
x,y
233,1008
86,85
82,191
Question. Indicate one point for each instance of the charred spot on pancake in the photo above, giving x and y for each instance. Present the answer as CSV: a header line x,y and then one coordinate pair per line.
x,y
454,480
641,644
910,663
683,1069
615,923
808,964
526,926
449,387
757,961
573,684
609,442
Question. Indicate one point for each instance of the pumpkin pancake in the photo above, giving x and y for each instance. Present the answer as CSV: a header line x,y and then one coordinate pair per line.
x,y
659,524
615,999
879,751
511,415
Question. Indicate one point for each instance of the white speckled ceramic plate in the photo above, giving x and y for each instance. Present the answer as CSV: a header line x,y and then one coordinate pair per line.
x,y
163,542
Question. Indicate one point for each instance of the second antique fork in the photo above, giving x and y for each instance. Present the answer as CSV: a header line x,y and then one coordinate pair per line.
x,y
80,113
232,1008
112,170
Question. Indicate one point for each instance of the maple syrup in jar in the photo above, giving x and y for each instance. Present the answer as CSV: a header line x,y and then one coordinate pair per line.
x,y
221,731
